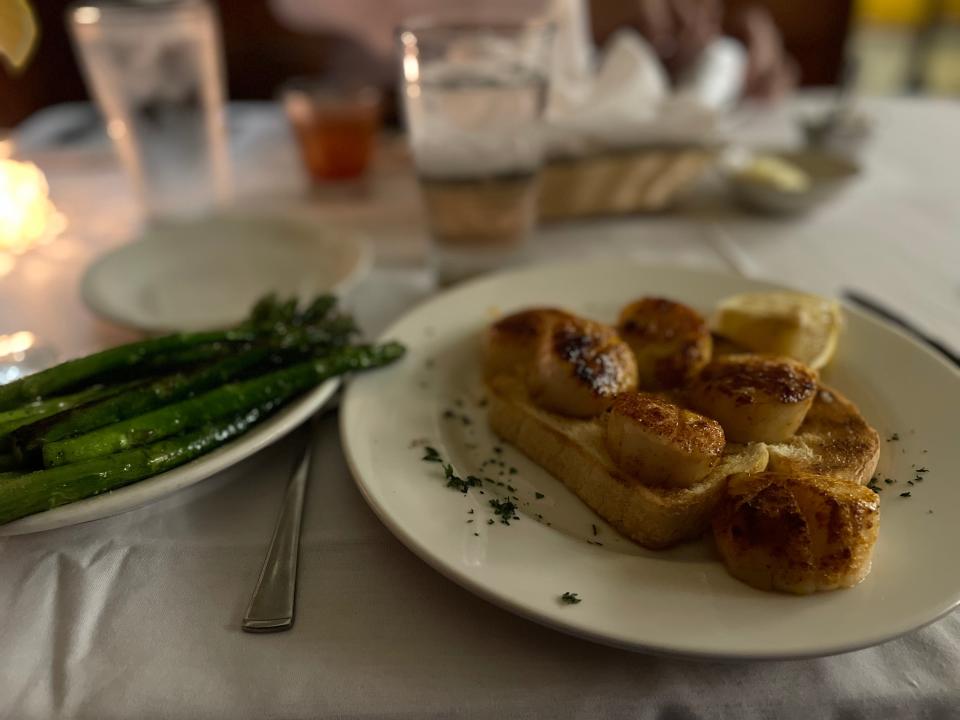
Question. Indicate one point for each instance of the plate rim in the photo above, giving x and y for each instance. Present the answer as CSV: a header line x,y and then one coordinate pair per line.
x,y
89,281
478,588
158,487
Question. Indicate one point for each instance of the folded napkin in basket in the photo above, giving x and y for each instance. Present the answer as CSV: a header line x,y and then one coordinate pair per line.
x,y
618,137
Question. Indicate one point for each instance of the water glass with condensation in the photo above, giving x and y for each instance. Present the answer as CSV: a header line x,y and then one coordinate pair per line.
x,y
473,97
156,72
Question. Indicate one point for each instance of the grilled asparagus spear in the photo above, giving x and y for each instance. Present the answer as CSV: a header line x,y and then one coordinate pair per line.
x,y
30,413
84,418
34,492
225,401
73,372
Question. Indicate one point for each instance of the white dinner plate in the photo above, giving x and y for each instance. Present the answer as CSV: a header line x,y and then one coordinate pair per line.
x,y
206,274
680,601
147,491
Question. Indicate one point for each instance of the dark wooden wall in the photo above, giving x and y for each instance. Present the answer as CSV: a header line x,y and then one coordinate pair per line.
x,y
814,32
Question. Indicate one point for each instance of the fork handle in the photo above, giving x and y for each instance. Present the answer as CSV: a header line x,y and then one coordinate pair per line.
x,y
271,608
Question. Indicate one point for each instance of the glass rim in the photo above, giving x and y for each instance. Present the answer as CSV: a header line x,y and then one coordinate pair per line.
x,y
460,23
332,92
118,11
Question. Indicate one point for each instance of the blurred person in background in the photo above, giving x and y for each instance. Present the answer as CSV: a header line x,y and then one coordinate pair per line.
x,y
268,41
683,33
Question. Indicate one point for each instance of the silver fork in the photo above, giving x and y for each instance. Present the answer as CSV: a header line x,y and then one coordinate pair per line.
x,y
272,606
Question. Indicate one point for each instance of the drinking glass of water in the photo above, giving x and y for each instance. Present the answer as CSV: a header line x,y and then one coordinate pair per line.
x,y
156,71
473,97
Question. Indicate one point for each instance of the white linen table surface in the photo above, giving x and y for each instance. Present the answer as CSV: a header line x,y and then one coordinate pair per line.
x,y
138,616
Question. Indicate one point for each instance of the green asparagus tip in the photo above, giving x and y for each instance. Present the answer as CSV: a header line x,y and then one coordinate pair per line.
x,y
392,350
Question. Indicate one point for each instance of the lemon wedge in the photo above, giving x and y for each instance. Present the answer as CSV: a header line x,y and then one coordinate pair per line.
x,y
803,327
18,32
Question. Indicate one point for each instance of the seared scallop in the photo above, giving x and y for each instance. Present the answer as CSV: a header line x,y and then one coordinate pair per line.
x,y
511,344
660,443
581,366
756,398
671,341
797,533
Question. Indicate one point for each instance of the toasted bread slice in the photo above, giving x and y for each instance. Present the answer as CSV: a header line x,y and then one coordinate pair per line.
x,y
574,451
834,440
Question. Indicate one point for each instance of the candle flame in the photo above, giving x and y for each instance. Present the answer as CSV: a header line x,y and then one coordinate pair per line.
x,y
16,343
27,217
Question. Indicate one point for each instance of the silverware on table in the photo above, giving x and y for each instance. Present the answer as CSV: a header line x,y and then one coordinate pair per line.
x,y
271,608
890,316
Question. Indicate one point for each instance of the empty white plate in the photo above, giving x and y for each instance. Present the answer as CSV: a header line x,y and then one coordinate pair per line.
x,y
207,273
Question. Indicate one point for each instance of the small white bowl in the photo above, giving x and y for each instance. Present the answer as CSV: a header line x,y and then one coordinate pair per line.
x,y
206,274
829,174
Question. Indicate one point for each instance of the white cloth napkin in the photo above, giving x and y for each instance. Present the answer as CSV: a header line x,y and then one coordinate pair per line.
x,y
624,98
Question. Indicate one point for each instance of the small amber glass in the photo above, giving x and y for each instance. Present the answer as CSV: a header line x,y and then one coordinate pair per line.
x,y
336,127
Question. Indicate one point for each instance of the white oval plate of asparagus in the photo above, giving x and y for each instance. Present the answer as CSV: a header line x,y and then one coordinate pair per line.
x,y
116,430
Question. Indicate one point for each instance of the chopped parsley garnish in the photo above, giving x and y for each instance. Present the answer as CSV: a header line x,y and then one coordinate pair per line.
x,y
594,528
449,414
570,598
505,510
511,488
458,483
490,521
430,454
905,494
539,495
513,471
922,470
894,437
889,481
873,485
470,511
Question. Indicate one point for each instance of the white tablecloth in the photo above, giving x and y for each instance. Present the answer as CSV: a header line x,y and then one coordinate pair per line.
x,y
138,615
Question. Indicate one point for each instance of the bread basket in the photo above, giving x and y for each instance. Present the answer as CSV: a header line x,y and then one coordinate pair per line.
x,y
639,180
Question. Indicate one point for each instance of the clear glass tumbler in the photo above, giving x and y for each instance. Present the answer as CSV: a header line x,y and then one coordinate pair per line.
x,y
473,96
156,71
